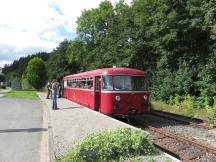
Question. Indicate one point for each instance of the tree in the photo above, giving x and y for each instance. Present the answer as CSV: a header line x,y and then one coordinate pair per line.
x,y
76,52
2,77
95,30
179,39
15,71
207,80
174,41
57,65
36,73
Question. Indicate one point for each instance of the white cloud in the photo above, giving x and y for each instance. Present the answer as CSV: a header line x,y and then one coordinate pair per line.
x,y
73,9
22,39
3,62
35,25
29,15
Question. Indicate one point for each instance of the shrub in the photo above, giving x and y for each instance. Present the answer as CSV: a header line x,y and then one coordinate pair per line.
x,y
211,111
116,145
36,73
189,101
25,84
176,100
189,104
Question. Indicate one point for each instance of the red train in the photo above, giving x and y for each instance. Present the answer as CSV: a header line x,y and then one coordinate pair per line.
x,y
111,91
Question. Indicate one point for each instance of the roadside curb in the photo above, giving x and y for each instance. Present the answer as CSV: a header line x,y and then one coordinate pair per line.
x,y
46,153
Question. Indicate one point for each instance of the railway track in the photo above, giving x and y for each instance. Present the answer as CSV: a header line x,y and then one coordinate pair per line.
x,y
185,148
182,148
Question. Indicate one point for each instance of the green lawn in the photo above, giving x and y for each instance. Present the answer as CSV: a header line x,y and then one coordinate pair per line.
x,y
22,94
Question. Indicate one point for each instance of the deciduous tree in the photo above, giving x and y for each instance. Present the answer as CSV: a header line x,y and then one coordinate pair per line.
x,y
36,73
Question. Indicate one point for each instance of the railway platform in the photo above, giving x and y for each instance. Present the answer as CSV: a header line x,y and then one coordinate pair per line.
x,y
73,122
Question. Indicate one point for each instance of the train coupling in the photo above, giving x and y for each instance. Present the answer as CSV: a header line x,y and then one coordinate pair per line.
x,y
133,110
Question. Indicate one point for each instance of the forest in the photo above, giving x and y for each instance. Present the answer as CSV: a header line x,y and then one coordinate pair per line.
x,y
174,41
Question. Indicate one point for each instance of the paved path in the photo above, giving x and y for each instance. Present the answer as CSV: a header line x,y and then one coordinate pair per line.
x,y
20,130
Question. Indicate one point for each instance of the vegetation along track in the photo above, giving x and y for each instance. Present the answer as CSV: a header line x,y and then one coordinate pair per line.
x,y
184,119
186,138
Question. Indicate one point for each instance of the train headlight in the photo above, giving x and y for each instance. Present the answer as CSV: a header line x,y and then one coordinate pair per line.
x,y
145,97
117,98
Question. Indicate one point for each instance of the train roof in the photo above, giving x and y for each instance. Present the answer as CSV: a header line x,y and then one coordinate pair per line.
x,y
108,71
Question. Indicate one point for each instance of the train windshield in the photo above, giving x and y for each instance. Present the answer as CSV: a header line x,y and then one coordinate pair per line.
x,y
124,83
129,83
138,83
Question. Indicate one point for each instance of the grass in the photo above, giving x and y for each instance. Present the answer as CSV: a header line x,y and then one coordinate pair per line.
x,y
28,94
181,109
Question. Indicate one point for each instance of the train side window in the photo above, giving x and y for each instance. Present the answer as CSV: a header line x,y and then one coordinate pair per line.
x,y
69,83
89,84
77,84
73,84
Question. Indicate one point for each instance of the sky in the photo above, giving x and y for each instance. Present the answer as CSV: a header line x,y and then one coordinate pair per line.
x,y
32,26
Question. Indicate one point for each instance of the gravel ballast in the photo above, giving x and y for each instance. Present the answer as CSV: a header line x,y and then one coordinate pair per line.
x,y
207,137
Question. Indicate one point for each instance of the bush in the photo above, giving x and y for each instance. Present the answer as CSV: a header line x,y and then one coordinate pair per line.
x,y
116,145
176,100
188,104
25,84
211,111
36,73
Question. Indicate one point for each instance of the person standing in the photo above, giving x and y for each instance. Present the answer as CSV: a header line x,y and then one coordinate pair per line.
x,y
54,94
48,86
59,91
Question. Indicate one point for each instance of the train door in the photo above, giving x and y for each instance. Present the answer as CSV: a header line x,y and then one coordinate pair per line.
x,y
97,92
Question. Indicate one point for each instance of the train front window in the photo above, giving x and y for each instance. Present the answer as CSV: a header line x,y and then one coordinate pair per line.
x,y
122,83
129,83
107,82
138,83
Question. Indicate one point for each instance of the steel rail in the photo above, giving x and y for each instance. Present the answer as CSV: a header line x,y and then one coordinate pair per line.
x,y
181,139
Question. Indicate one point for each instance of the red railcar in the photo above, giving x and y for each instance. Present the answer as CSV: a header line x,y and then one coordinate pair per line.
x,y
111,91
